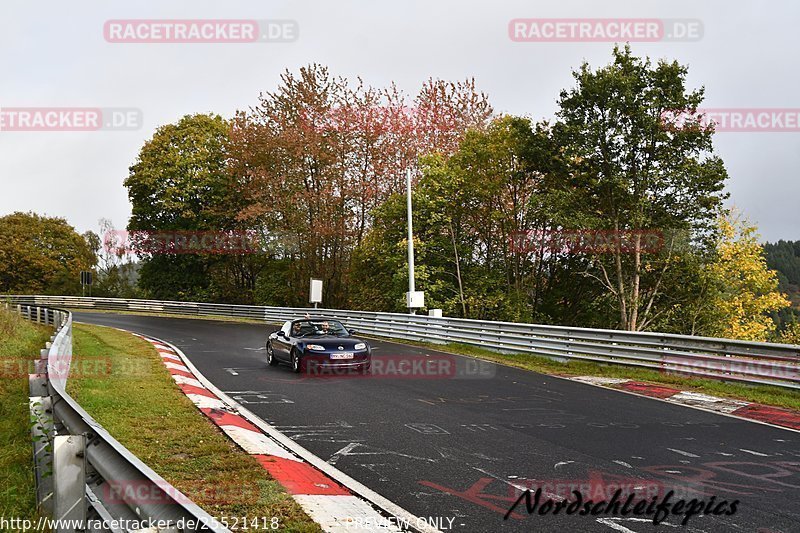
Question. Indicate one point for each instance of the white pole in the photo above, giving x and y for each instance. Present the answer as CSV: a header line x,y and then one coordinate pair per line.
x,y
411,288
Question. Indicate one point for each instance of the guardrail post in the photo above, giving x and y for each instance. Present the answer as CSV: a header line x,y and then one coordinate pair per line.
x,y
41,409
69,479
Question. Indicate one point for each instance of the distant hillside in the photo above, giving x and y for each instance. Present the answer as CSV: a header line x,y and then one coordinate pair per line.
x,y
784,257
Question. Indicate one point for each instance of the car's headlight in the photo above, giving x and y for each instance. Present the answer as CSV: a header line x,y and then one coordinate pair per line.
x,y
360,346
316,347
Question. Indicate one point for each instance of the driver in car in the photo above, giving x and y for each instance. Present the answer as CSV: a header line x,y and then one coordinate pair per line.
x,y
325,328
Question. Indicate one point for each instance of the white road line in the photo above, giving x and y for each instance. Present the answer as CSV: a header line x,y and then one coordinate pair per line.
x,y
613,523
344,451
687,454
759,454
518,486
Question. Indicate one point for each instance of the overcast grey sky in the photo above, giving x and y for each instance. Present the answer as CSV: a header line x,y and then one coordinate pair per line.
x,y
54,54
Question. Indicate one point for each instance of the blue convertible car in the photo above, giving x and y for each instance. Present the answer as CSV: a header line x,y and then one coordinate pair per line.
x,y
319,344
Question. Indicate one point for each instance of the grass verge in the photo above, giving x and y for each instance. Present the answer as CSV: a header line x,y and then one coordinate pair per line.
x,y
20,343
140,405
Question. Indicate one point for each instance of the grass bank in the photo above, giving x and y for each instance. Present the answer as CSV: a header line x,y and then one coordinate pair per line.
x,y
20,344
139,404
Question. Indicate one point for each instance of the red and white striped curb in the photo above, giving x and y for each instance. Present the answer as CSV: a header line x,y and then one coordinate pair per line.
x,y
332,505
776,416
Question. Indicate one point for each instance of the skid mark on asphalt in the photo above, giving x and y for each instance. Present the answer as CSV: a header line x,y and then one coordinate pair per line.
x,y
344,451
615,523
338,431
347,451
479,427
236,370
463,456
482,399
427,429
378,468
258,397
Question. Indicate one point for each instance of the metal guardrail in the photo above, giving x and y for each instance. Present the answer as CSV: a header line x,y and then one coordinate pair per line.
x,y
85,479
758,363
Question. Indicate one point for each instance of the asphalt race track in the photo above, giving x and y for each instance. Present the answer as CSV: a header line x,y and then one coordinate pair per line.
x,y
459,440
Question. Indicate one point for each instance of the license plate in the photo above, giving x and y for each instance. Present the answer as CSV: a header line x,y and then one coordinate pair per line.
x,y
343,355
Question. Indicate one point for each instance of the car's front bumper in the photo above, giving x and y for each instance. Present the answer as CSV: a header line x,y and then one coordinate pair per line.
x,y
323,362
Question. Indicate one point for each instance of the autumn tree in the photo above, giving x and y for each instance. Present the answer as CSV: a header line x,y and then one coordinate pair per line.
x,y
467,208
791,334
316,157
630,169
744,290
180,181
41,255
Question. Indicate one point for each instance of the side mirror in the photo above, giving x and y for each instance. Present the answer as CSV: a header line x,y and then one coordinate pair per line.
x,y
281,334
352,331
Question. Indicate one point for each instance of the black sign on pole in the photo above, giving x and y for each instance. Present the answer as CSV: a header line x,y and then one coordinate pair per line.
x,y
86,279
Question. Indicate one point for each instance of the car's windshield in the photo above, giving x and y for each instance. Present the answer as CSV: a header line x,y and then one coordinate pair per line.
x,y
304,328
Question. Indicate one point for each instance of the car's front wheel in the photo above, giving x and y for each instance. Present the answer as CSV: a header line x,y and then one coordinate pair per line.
x,y
271,361
297,364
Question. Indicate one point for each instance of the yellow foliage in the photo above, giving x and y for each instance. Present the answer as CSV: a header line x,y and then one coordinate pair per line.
x,y
749,290
792,334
